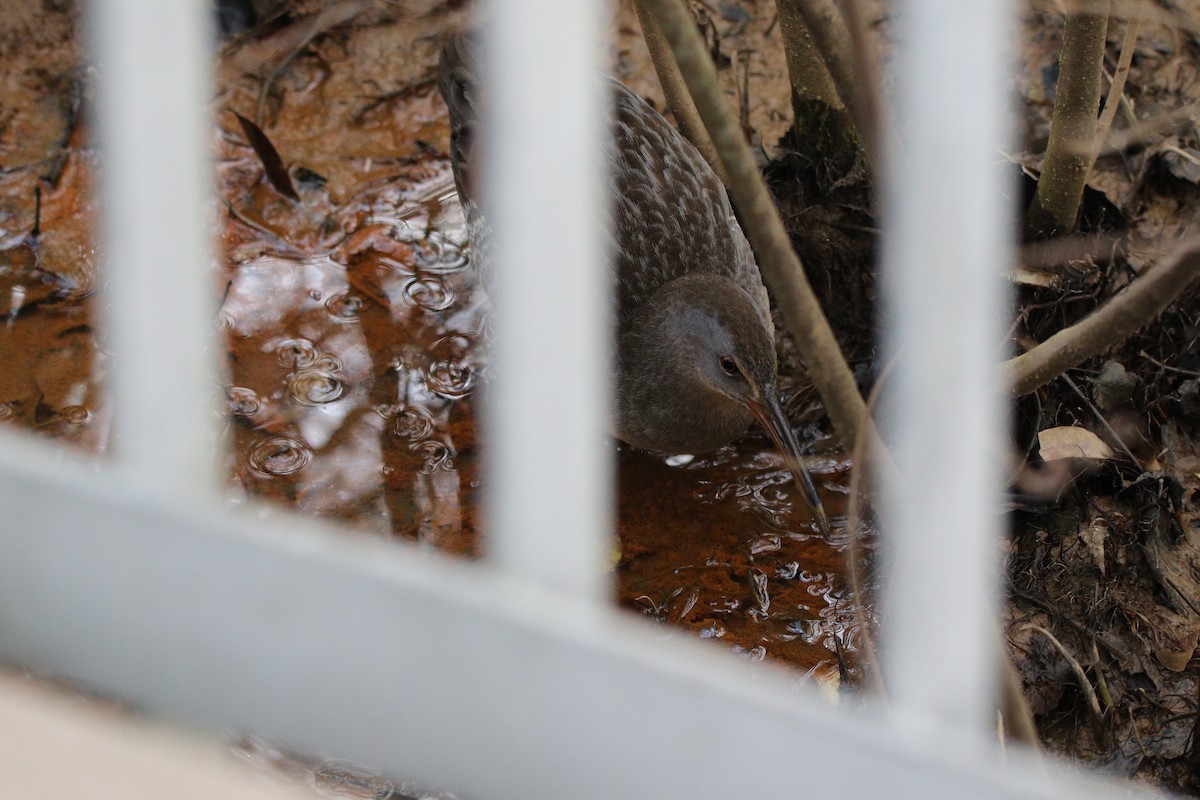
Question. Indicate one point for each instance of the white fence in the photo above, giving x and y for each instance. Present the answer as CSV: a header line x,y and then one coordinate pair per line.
x,y
515,677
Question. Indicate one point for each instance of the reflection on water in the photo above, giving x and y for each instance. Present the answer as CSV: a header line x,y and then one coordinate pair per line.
x,y
366,359
278,456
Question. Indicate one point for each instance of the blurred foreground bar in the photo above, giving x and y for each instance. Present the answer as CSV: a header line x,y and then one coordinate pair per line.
x,y
549,482
949,228
153,86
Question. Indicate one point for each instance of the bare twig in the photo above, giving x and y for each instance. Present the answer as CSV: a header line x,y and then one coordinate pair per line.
x,y
1116,89
257,226
299,36
1120,440
780,265
1140,303
675,90
1135,137
1085,686
1014,707
1105,695
1054,254
854,523
1180,17
1152,13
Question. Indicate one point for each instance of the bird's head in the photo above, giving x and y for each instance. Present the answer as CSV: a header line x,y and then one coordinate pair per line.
x,y
709,350
725,343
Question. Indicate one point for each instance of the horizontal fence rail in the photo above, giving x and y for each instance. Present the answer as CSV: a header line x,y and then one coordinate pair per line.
x,y
458,675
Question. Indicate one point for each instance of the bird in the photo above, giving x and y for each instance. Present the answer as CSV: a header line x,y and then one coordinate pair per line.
x,y
695,343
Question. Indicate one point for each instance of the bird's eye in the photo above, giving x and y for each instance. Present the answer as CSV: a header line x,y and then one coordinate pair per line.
x,y
728,365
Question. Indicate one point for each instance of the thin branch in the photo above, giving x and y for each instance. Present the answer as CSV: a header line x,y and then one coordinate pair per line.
x,y
300,35
1180,18
1116,89
1014,706
1085,686
1139,304
780,265
1105,695
1116,437
675,90
1139,136
863,462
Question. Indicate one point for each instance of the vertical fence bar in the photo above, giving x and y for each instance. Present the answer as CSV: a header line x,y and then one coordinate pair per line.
x,y
550,482
949,240
152,91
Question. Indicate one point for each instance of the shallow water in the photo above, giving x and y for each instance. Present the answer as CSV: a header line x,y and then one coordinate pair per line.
x,y
722,546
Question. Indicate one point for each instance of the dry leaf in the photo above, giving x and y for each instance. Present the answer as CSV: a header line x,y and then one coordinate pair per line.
x,y
272,163
1072,442
1024,276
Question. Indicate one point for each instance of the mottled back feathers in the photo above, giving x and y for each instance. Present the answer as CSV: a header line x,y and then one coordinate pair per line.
x,y
671,216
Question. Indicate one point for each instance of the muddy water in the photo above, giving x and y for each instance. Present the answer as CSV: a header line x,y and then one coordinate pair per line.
x,y
356,352
50,354
722,548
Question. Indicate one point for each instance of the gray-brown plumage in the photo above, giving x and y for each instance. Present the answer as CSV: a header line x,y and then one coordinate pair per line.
x,y
695,343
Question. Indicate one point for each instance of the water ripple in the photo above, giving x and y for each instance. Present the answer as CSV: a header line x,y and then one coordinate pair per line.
x,y
241,402
435,456
451,379
315,387
344,306
429,293
279,455
296,353
447,254
413,423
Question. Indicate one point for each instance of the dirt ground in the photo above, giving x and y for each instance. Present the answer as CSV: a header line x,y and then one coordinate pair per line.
x,y
353,321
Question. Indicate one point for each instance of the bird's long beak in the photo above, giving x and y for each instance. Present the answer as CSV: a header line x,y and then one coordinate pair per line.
x,y
769,412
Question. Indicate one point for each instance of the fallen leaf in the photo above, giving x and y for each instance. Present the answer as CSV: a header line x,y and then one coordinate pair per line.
x,y
1069,441
277,173
1024,276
